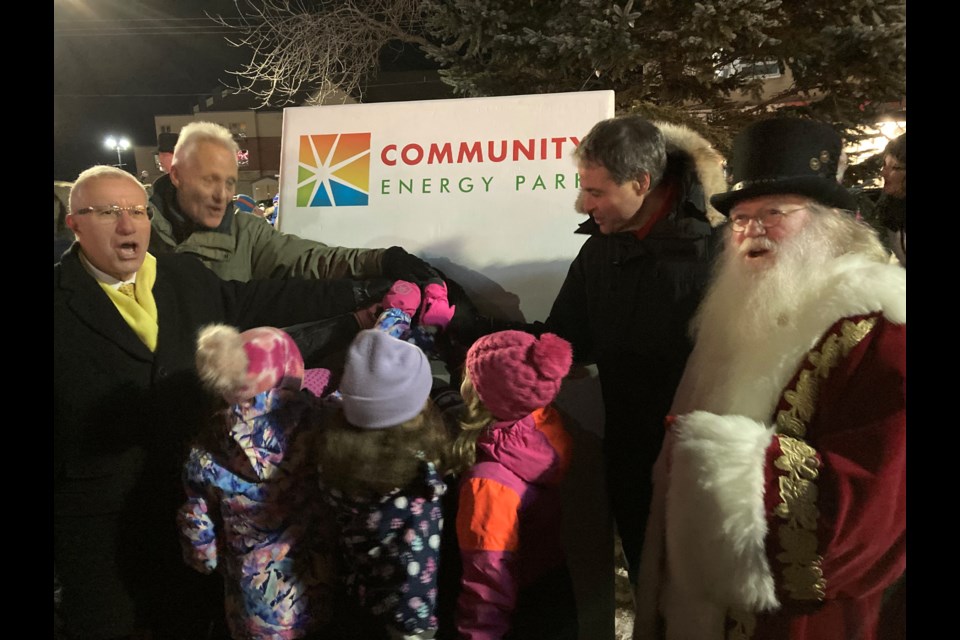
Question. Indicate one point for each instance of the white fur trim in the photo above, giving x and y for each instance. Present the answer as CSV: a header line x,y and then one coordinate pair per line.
x,y
650,572
749,382
221,360
707,161
857,285
716,522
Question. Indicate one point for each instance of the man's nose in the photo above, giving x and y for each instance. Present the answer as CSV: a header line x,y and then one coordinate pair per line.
x,y
754,229
125,224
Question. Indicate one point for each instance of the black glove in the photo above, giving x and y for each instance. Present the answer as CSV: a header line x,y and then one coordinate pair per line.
x,y
468,323
367,292
317,340
397,264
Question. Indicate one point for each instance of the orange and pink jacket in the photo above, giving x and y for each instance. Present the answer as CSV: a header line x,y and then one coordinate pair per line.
x,y
509,519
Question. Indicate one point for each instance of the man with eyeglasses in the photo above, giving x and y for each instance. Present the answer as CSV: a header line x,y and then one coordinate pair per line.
x,y
126,402
779,493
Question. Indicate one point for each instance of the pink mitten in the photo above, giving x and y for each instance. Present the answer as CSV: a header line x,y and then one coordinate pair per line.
x,y
403,295
436,310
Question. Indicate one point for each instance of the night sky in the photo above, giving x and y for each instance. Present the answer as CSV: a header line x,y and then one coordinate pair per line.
x,y
118,63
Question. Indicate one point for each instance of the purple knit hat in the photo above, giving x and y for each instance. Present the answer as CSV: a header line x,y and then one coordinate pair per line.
x,y
239,366
514,373
386,381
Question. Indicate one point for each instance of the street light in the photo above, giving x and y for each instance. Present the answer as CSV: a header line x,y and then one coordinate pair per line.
x,y
121,144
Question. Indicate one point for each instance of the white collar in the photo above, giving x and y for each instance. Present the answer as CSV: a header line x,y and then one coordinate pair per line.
x,y
100,276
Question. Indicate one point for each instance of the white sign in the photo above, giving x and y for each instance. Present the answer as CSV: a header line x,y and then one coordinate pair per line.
x,y
482,188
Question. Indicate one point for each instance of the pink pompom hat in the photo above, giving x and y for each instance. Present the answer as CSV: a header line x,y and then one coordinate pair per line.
x,y
238,366
514,373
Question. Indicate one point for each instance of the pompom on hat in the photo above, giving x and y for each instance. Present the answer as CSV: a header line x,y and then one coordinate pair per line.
x,y
238,366
785,156
385,381
514,373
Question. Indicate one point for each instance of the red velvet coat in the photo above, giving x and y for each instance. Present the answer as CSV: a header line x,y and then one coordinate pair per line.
x,y
793,525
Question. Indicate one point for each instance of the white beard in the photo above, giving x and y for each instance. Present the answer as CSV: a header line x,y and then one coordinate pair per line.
x,y
747,346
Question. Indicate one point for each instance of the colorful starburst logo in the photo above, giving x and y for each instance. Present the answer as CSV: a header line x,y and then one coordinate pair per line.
x,y
334,170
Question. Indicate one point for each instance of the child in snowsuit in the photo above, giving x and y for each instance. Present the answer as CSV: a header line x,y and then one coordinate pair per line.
x,y
252,510
381,459
515,581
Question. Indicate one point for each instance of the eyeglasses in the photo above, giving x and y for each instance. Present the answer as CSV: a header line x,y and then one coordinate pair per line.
x,y
767,219
112,213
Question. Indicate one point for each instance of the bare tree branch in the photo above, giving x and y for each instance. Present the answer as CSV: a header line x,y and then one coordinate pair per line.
x,y
323,48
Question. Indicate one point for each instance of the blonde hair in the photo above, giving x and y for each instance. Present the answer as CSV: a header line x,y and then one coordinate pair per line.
x,y
476,418
358,461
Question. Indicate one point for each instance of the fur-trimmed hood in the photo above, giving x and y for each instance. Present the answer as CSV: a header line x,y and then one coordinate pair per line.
x,y
706,161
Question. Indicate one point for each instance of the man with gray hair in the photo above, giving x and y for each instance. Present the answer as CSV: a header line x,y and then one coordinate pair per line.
x,y
779,507
126,402
632,289
194,213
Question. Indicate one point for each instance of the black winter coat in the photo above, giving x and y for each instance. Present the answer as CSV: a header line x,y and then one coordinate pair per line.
x,y
122,419
625,305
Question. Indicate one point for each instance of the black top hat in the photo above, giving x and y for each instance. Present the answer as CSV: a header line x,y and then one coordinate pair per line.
x,y
785,155
166,142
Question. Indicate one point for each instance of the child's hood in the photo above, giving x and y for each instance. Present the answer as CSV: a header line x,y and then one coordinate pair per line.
x,y
536,448
263,429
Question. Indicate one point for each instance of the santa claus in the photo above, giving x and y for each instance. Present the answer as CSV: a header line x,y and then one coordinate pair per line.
x,y
779,506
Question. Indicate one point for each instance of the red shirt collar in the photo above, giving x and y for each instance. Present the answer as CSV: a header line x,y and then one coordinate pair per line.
x,y
670,188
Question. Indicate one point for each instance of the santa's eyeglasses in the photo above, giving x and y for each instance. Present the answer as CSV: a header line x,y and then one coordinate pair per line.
x,y
766,218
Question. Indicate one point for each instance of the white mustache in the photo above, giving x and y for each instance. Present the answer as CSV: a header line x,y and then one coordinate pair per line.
x,y
761,243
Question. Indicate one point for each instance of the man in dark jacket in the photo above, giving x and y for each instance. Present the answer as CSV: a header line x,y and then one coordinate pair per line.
x,y
126,402
630,293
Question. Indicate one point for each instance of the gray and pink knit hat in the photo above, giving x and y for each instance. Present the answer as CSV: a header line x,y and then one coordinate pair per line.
x,y
514,373
238,366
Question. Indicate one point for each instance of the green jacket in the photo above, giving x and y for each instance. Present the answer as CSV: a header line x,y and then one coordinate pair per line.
x,y
245,247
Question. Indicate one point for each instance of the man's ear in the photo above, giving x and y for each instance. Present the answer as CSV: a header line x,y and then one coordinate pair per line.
x,y
71,224
174,176
641,185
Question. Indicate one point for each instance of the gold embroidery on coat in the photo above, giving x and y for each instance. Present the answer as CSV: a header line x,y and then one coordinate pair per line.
x,y
802,572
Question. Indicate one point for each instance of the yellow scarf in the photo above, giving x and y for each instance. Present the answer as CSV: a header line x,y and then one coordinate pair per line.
x,y
140,314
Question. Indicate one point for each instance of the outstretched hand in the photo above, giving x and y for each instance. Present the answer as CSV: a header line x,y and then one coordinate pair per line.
x,y
398,264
